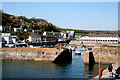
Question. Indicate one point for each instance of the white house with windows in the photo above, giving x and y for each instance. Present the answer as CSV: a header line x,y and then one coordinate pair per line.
x,y
15,39
0,40
34,38
99,38
37,31
5,28
54,34
46,33
70,34
18,29
1,29
28,30
7,37
63,34
118,39
57,34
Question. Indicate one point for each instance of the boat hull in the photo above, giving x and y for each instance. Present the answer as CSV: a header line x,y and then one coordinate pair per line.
x,y
77,53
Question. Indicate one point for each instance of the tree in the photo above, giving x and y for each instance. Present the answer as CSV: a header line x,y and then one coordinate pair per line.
x,y
23,35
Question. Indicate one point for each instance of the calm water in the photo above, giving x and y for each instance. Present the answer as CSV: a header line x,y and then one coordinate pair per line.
x,y
32,69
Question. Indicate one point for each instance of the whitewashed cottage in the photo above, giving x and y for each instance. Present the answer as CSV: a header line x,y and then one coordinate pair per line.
x,y
7,37
34,38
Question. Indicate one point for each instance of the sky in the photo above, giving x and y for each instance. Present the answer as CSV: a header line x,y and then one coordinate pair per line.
x,y
72,15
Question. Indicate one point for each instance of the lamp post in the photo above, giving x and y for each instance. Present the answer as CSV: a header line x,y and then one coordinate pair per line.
x,y
99,58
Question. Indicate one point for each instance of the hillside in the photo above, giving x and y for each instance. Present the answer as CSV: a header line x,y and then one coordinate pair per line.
x,y
86,32
23,22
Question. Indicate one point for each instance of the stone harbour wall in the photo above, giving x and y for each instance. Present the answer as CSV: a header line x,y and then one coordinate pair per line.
x,y
37,54
105,55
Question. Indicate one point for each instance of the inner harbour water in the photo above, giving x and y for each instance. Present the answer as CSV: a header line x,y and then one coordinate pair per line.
x,y
36,69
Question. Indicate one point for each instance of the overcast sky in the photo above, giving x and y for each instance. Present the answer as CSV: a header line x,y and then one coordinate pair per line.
x,y
74,15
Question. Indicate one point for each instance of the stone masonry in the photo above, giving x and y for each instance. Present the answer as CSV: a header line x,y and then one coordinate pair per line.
x,y
105,55
37,54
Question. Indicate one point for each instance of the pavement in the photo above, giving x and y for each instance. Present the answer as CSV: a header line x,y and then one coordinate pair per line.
x,y
105,74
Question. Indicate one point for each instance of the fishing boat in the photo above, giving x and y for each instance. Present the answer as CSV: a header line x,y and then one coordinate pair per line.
x,y
73,48
77,52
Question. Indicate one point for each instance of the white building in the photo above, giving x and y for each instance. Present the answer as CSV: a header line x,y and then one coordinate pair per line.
x,y
46,33
0,40
15,39
5,28
18,29
54,34
7,37
29,30
70,34
57,34
63,34
119,40
100,38
77,37
34,38
25,30
37,32
1,29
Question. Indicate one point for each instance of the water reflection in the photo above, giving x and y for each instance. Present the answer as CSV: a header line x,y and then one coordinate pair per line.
x,y
32,69
93,70
77,56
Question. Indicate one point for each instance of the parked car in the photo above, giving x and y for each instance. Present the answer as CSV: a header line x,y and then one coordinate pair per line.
x,y
117,73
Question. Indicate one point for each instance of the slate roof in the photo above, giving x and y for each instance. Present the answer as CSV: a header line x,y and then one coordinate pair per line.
x,y
34,35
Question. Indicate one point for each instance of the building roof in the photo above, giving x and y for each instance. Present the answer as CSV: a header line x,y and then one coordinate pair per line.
x,y
14,36
6,34
6,26
29,29
17,28
102,35
37,30
34,35
48,31
57,32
